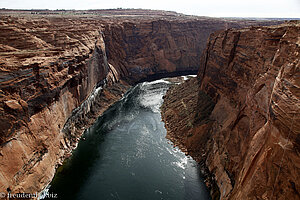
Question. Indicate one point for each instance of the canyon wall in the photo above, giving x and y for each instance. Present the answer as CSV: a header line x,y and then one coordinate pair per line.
x,y
143,48
48,68
241,116
59,73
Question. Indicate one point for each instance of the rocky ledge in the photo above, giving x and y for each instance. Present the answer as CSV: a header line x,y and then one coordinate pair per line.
x,y
241,117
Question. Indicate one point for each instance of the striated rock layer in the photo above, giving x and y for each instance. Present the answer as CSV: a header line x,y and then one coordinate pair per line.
x,y
245,121
58,72
53,66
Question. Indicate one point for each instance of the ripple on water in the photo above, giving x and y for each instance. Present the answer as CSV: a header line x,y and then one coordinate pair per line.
x,y
126,156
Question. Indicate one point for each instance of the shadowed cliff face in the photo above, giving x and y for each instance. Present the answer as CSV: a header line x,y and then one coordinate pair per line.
x,y
59,73
158,46
148,47
245,125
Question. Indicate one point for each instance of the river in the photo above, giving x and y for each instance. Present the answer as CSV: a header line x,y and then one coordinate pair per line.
x,y
125,155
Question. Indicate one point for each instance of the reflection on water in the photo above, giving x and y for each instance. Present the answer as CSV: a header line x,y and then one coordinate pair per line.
x,y
125,155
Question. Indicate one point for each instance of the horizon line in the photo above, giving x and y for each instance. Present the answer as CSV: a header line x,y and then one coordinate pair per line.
x,y
120,8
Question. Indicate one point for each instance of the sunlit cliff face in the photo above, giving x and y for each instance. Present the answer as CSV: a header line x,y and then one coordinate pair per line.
x,y
244,123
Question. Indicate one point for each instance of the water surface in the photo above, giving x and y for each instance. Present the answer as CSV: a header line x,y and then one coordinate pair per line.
x,y
125,155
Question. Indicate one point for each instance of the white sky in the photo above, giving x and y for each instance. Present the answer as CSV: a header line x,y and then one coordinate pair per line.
x,y
213,8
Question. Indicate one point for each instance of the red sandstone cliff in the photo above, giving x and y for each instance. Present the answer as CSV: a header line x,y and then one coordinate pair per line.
x,y
51,65
244,122
48,68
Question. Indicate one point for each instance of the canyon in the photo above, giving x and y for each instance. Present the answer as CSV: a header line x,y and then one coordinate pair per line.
x,y
60,70
240,117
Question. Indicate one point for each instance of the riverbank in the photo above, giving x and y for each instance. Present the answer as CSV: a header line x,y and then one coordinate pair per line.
x,y
178,112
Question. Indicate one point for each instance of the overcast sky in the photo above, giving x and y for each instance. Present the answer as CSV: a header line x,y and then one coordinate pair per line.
x,y
214,8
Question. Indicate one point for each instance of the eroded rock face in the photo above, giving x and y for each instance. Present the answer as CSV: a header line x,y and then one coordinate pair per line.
x,y
246,120
48,68
59,73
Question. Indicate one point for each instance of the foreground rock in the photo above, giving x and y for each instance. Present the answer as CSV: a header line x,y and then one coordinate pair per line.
x,y
245,122
62,69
